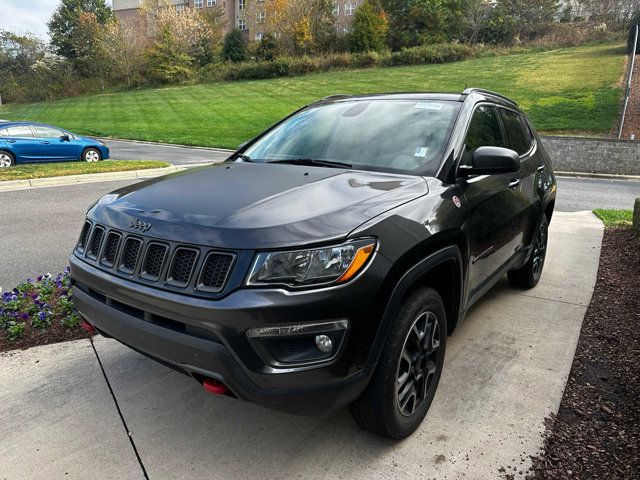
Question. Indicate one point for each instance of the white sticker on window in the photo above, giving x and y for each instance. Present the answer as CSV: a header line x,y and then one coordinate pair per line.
x,y
430,106
421,152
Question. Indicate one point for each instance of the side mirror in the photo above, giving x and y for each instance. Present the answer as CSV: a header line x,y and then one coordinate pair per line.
x,y
491,161
65,138
243,144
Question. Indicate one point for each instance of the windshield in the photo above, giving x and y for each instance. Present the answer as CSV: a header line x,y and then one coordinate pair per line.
x,y
388,135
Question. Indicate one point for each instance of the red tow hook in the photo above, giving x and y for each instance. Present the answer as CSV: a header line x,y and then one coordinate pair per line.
x,y
87,327
215,387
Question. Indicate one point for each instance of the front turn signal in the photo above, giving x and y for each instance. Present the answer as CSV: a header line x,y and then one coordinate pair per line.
x,y
359,260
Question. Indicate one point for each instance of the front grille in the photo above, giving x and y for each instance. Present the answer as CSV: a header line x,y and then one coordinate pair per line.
x,y
96,241
130,254
215,271
153,261
168,265
183,262
84,236
111,249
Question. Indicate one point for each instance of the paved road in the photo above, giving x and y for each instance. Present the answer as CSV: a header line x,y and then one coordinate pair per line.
x,y
505,370
125,150
39,227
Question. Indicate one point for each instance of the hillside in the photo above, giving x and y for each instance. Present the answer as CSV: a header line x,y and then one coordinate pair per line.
x,y
572,89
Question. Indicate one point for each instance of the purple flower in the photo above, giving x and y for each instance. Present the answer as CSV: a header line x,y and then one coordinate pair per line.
x,y
39,278
42,316
24,316
29,280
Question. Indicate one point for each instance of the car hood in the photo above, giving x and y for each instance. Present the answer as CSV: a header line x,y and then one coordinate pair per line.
x,y
251,205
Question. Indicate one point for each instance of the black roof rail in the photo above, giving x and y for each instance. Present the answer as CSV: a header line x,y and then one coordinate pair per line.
x,y
469,91
337,96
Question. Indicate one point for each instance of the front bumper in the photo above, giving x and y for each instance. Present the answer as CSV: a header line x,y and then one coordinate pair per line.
x,y
207,338
104,151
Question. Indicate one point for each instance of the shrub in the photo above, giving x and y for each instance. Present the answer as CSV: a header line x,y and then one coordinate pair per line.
x,y
369,28
636,216
268,48
438,53
635,22
167,63
234,48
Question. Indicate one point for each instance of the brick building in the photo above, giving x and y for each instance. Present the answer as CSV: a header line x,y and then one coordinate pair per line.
x,y
237,13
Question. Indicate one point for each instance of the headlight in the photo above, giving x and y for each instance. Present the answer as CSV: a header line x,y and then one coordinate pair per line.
x,y
319,266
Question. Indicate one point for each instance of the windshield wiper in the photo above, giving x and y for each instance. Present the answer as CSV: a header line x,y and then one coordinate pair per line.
x,y
243,157
313,162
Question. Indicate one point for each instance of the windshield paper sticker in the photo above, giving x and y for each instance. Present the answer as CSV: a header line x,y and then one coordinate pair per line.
x,y
430,106
421,152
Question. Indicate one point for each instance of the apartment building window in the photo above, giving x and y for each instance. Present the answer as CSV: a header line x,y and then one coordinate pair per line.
x,y
261,17
336,9
180,8
259,36
349,8
198,3
242,25
241,4
211,3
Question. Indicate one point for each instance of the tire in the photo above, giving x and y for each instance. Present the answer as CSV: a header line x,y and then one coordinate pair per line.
x,y
384,410
91,155
7,159
529,275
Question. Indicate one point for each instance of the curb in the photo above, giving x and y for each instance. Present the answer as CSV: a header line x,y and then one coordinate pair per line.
x,y
601,176
174,145
12,185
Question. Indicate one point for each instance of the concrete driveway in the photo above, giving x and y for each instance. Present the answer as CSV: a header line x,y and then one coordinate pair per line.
x,y
505,370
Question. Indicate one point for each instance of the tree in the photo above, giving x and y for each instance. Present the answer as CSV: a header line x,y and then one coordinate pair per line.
x,y
167,63
416,22
234,48
635,22
268,48
528,17
65,21
369,28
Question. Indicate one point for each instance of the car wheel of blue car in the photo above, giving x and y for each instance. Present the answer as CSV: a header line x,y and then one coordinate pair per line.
x,y
6,160
91,155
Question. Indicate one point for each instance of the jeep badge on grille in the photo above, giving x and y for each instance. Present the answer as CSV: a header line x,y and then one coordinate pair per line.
x,y
140,225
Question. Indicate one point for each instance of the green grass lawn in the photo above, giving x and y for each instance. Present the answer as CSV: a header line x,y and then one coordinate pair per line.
x,y
615,218
42,170
570,89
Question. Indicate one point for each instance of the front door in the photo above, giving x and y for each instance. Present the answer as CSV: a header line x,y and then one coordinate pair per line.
x,y
494,225
56,144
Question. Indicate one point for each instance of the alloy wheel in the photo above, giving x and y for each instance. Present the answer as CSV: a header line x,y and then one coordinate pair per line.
x,y
5,160
539,250
418,363
92,156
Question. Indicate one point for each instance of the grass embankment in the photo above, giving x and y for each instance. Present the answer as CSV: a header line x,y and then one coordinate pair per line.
x,y
569,89
615,218
54,169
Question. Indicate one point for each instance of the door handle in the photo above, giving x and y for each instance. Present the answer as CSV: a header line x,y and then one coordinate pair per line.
x,y
514,183
541,168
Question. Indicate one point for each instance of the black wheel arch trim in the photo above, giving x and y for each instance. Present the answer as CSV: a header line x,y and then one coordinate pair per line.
x,y
404,285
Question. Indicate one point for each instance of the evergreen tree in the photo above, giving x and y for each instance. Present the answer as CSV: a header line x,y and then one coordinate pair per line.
x,y
66,19
234,48
369,29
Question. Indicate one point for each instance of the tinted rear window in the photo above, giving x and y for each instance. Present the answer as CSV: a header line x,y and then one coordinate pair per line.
x,y
517,137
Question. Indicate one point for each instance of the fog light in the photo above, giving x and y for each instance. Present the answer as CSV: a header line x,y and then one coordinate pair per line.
x,y
324,343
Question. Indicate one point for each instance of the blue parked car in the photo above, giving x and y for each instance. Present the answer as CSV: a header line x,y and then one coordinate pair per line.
x,y
23,142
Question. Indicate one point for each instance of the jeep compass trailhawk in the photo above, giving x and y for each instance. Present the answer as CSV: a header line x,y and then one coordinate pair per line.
x,y
326,261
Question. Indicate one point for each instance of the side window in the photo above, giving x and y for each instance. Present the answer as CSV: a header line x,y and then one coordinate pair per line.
x,y
19,131
484,131
47,132
517,137
3,132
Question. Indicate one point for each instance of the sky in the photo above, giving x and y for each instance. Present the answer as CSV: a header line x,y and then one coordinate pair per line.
x,y
22,16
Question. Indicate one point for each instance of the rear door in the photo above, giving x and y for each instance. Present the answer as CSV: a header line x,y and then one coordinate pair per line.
x,y
22,141
55,145
493,203
520,139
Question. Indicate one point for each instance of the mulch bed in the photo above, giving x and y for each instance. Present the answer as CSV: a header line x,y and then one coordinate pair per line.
x,y
33,337
596,433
